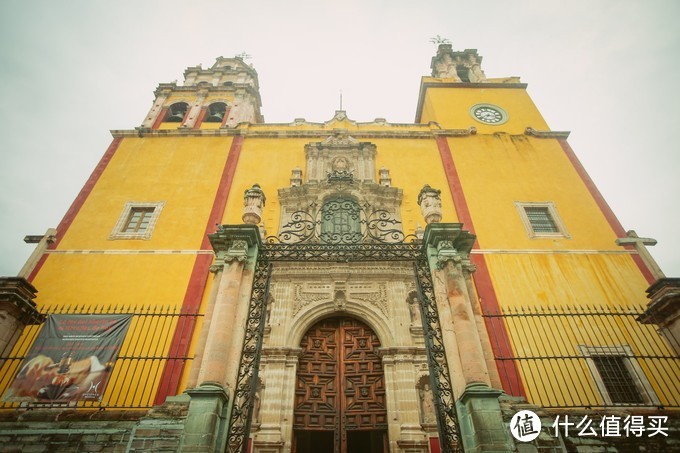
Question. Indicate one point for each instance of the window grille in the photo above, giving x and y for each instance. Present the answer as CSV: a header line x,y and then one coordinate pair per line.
x,y
541,220
341,222
617,379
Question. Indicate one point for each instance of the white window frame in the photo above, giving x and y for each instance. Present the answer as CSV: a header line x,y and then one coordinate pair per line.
x,y
552,211
639,377
119,228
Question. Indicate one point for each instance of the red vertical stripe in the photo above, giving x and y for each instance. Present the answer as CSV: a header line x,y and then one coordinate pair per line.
x,y
604,207
160,118
169,384
78,202
498,334
201,117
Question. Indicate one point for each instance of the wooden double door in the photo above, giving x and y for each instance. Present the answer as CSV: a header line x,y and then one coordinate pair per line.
x,y
340,390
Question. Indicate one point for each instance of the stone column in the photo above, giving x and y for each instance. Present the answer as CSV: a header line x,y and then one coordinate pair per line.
x,y
192,381
156,109
17,310
663,310
236,248
479,415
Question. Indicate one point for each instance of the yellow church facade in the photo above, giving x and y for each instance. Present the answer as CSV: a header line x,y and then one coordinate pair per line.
x,y
346,286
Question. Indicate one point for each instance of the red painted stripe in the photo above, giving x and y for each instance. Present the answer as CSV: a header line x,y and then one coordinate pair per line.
x,y
78,202
172,373
201,116
159,119
498,334
434,445
604,208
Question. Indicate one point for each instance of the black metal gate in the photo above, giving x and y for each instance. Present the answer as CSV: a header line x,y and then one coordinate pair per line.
x,y
382,241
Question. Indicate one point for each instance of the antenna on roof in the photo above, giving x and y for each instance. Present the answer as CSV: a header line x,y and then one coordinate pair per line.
x,y
340,99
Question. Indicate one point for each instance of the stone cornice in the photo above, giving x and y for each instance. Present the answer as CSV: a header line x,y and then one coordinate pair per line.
x,y
244,130
546,134
171,88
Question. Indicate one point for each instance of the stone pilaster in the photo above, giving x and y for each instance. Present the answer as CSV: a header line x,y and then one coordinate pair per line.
x,y
279,366
17,310
400,376
195,109
156,108
236,248
663,310
479,415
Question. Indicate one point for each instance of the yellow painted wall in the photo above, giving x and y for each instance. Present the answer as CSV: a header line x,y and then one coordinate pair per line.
x,y
450,107
182,171
497,170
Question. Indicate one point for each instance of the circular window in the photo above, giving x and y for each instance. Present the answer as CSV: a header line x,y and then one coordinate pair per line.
x,y
488,114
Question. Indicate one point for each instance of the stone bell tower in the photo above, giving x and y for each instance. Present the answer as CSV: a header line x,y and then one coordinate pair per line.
x,y
224,95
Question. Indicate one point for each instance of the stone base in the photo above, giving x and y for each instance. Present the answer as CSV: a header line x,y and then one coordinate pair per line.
x,y
481,422
205,426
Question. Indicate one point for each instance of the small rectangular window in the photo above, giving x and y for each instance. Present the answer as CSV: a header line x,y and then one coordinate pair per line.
x,y
541,219
618,376
616,379
137,221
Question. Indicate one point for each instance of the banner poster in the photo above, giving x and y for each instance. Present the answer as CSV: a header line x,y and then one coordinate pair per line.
x,y
71,359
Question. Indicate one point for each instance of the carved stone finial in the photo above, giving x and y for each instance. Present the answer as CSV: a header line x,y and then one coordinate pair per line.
x,y
385,179
430,202
296,177
253,202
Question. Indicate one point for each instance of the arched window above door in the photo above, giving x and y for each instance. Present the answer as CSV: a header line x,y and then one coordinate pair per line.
x,y
340,221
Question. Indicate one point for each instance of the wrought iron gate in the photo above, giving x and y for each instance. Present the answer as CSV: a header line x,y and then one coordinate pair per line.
x,y
380,246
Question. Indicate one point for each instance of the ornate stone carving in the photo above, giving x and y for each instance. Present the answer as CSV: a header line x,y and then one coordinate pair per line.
x,y
302,298
376,298
448,64
430,202
253,202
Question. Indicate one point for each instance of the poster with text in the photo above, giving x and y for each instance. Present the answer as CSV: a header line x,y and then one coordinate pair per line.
x,y
71,359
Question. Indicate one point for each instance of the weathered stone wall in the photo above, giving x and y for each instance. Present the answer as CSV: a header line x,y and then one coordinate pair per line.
x,y
72,431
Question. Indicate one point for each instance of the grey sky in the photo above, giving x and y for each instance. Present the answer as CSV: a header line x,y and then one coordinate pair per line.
x,y
70,71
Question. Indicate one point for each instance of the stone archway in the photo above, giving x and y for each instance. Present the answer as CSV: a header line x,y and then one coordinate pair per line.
x,y
340,402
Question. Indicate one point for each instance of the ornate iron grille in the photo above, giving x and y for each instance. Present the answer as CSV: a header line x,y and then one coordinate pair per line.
x,y
246,383
440,378
341,221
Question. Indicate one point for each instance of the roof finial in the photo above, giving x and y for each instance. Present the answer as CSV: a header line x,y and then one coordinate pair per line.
x,y
340,99
439,40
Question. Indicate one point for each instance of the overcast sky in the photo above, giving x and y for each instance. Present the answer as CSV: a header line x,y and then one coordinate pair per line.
x,y
608,71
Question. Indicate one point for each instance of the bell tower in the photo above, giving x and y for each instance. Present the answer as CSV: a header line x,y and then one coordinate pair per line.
x,y
459,95
224,95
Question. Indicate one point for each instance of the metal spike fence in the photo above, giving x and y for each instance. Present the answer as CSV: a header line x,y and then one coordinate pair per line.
x,y
589,357
137,370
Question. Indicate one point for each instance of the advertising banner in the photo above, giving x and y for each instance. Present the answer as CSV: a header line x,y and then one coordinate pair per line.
x,y
71,359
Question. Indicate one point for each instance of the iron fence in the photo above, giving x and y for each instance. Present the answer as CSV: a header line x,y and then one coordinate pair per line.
x,y
136,372
588,357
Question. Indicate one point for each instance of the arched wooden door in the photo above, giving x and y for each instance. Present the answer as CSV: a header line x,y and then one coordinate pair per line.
x,y
340,390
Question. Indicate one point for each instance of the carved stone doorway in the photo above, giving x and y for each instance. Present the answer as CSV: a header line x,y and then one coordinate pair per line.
x,y
340,390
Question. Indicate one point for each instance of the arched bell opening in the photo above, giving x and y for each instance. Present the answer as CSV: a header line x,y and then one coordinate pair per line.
x,y
340,399
216,112
177,112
